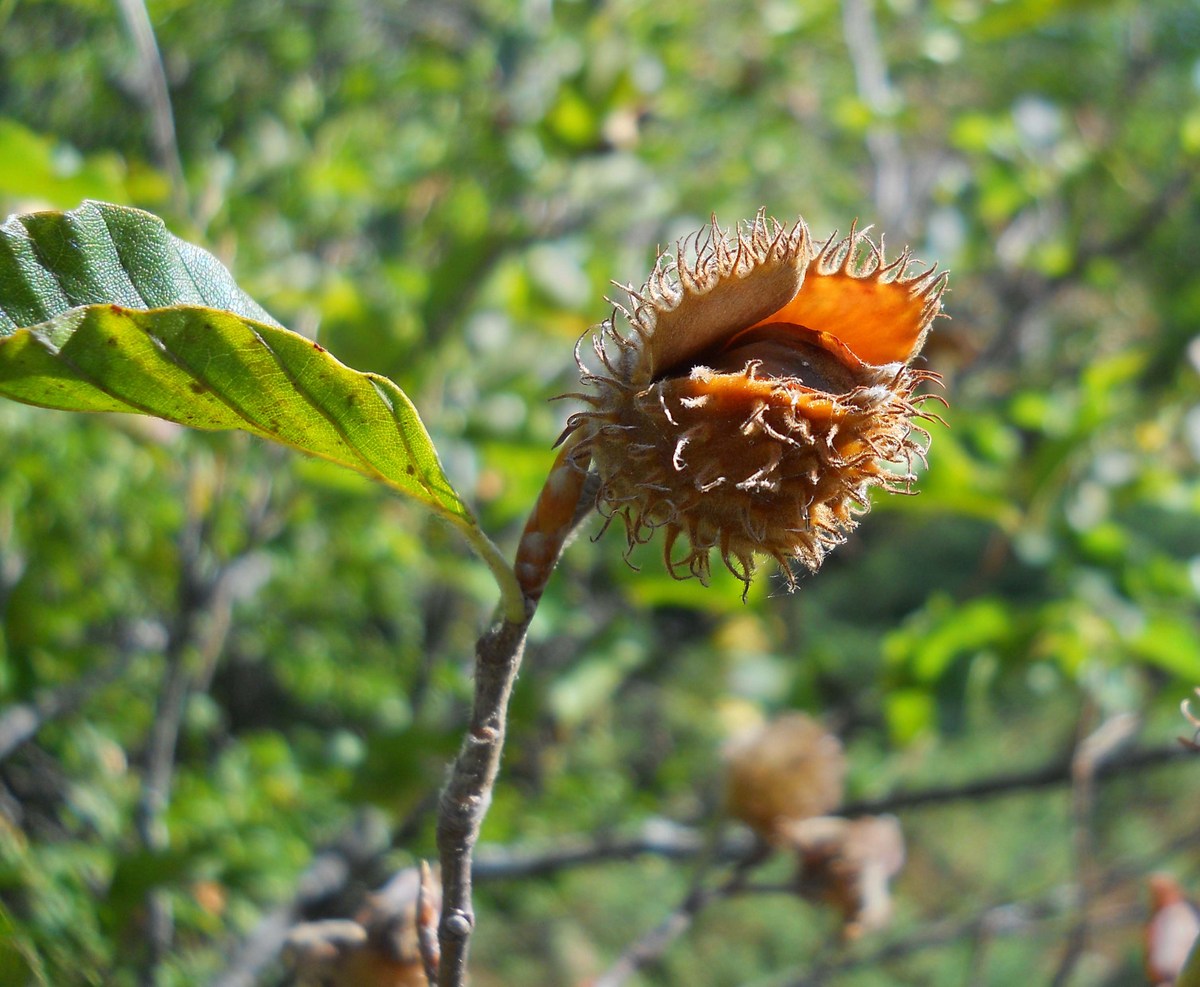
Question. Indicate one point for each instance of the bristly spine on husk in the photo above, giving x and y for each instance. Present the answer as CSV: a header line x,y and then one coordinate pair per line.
x,y
740,409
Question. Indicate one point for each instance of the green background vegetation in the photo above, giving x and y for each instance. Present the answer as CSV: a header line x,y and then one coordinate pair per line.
x,y
441,193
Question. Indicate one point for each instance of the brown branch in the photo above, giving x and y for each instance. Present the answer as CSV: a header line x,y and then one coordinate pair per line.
x,y
1048,776
659,838
466,797
674,841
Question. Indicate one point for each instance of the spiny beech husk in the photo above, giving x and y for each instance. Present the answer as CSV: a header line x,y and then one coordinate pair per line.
x,y
783,771
753,392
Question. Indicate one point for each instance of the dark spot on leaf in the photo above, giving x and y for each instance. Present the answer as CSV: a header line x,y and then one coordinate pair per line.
x,y
318,347
197,387
351,399
116,310
112,340
411,471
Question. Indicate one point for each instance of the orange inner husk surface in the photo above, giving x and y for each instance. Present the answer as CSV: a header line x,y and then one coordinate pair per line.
x,y
880,322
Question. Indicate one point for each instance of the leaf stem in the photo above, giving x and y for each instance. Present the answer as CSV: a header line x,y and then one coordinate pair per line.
x,y
512,600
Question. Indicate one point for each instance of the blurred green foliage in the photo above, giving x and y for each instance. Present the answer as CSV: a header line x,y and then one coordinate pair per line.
x,y
441,192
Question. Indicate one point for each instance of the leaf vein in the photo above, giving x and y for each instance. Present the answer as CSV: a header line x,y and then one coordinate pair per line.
x,y
195,375
371,469
121,260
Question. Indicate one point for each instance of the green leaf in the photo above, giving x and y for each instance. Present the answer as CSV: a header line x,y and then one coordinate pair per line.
x,y
102,254
210,369
101,309
1169,642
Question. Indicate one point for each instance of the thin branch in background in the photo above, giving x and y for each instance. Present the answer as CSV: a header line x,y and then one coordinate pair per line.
x,y
1005,920
1021,294
1171,195
361,851
654,944
672,841
658,838
995,921
1047,776
357,855
149,817
1094,750
1017,918
354,856
195,641
21,722
1096,758
152,79
891,193
651,947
